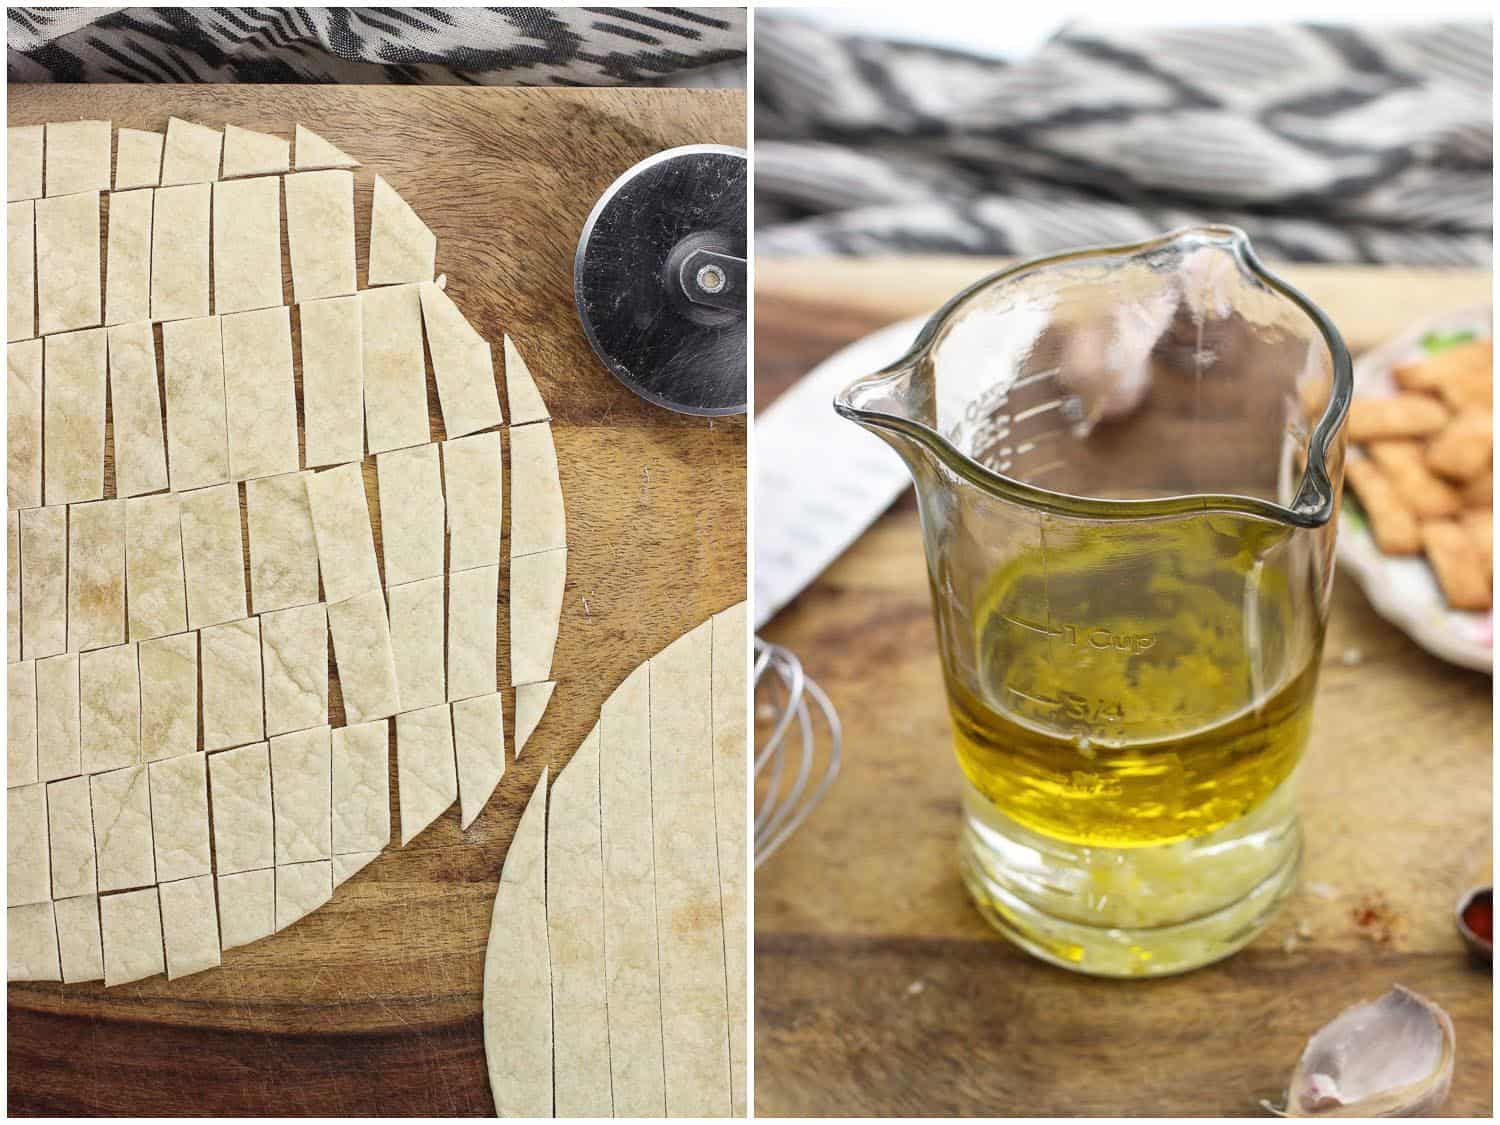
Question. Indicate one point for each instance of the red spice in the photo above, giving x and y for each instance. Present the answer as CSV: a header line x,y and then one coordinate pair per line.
x,y
1479,916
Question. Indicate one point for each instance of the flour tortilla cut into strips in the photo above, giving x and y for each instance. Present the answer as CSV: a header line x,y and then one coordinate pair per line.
x,y
260,399
693,1003
247,153
345,867
127,274
300,889
395,370
58,750
247,244
361,788
240,794
301,795
137,158
366,663
123,847
78,940
411,513
531,704
416,617
402,248
135,407
23,162
155,589
77,157
21,724
426,773
197,437
629,896
23,447
180,234
536,596
247,907
191,153
13,587
473,598
44,581
462,364
189,925
70,835
333,380
314,152
213,555
73,374
179,817
525,400
341,526
28,871
294,660
96,575
169,696
131,926
320,233
575,930
230,669
472,491
67,263
31,943
109,708
20,270
537,520
730,656
479,746
518,973
283,547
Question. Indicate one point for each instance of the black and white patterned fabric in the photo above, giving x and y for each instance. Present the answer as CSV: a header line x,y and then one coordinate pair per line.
x,y
1323,143
481,46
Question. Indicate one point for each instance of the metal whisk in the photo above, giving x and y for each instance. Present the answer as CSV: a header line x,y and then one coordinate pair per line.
x,y
788,790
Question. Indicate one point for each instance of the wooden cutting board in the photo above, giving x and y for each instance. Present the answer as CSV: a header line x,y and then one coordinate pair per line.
x,y
880,990
372,1004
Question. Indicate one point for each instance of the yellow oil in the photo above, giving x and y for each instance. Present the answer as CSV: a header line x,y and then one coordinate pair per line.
x,y
1137,687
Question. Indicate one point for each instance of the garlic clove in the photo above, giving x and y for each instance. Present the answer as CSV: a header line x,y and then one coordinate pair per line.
x,y
1391,1057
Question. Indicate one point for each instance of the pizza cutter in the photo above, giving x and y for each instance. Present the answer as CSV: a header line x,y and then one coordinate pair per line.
x,y
659,279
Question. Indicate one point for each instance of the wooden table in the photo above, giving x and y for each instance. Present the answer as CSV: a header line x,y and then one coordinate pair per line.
x,y
372,1004
880,990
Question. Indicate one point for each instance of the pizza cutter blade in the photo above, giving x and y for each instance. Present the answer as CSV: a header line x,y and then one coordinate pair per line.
x,y
659,279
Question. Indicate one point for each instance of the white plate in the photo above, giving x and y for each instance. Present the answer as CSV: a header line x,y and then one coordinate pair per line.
x,y
1404,590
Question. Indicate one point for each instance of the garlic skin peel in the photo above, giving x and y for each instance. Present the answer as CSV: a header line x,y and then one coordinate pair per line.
x,y
1391,1057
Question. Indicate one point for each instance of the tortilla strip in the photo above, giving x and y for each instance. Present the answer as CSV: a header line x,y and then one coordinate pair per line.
x,y
58,750
333,380
247,244
294,656
411,513
473,597
366,663
109,708
77,156
526,403
314,152
240,784
479,746
536,596
283,546
190,929
395,370
462,365
96,575
70,836
695,1048
137,158
426,773
20,270
247,907
575,939
122,828
341,526
346,866
260,400
31,943
191,154
402,248
301,794
232,693
472,482
135,405
169,696
67,262
518,974
127,276
155,589
23,448
180,232
23,162
320,233
78,939
73,372
197,437
28,870
213,555
730,656
531,704
44,581
416,617
131,928
247,153
179,817
21,724
537,521
300,889
361,788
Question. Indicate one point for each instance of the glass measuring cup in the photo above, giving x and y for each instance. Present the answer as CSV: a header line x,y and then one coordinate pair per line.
x,y
1128,462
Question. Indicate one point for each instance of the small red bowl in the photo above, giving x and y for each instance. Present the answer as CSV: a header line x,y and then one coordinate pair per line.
x,y
1482,946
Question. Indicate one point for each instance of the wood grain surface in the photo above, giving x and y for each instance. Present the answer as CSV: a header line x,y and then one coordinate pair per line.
x,y
880,990
372,1004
